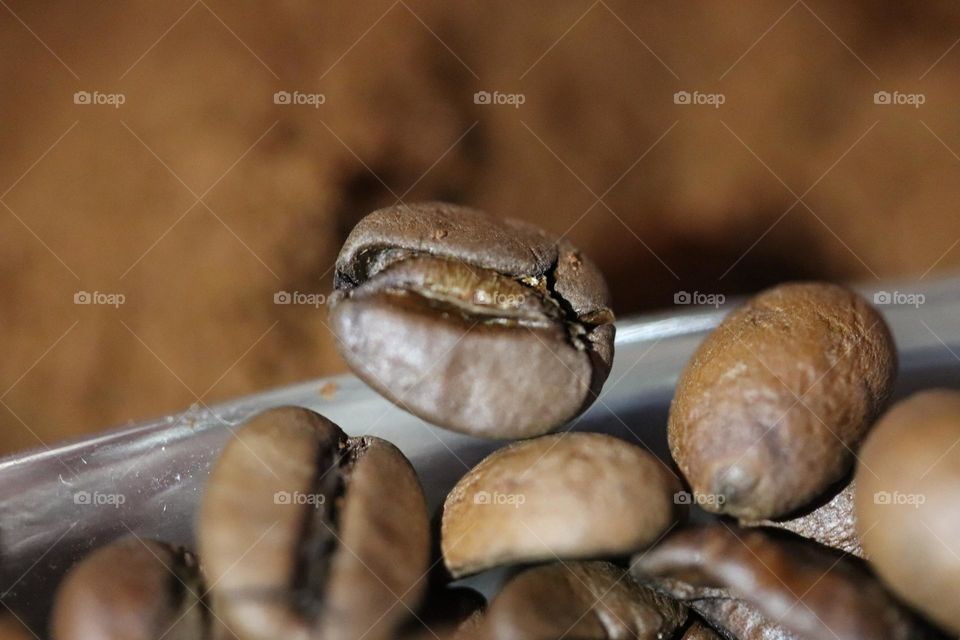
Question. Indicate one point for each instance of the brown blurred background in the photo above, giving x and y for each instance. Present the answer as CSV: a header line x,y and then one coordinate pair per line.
x,y
199,198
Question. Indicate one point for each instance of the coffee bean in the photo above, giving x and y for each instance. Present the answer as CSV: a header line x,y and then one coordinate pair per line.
x,y
584,600
306,532
132,589
12,629
750,582
770,408
700,631
572,495
481,325
908,502
733,618
448,613
832,524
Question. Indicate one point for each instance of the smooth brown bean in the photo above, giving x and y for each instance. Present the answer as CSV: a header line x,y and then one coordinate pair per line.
x,y
908,502
133,589
572,495
584,600
750,581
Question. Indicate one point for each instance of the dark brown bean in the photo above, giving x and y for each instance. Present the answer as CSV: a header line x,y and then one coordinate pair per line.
x,y
749,581
11,628
135,590
448,613
477,324
908,502
571,495
308,533
736,619
769,410
582,600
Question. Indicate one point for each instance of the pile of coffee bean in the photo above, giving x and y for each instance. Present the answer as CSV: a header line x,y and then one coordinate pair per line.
x,y
835,518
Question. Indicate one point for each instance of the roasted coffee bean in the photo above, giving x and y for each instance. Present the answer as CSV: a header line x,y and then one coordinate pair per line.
x,y
700,631
908,502
449,613
481,325
308,533
750,581
734,619
832,524
584,600
770,408
571,495
133,589
12,629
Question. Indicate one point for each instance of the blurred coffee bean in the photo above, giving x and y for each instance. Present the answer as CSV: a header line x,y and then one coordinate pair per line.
x,y
734,619
309,533
132,589
584,600
482,325
769,409
908,502
700,631
571,495
749,581
12,628
832,524
447,613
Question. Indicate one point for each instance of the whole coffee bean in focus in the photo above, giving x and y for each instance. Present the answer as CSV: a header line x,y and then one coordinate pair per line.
x,y
566,496
770,409
482,325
